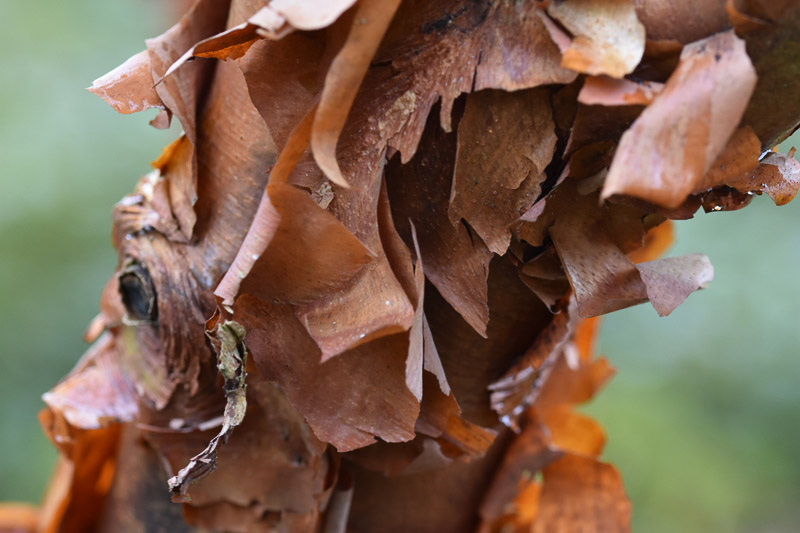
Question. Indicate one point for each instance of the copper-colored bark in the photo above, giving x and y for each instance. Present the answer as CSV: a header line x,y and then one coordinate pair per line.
x,y
353,295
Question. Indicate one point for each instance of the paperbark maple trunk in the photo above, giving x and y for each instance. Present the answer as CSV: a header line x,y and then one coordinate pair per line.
x,y
358,293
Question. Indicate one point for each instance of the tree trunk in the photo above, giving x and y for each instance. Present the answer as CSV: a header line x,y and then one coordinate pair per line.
x,y
359,292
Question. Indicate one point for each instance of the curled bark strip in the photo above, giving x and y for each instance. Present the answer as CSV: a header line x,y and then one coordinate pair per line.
x,y
370,21
265,222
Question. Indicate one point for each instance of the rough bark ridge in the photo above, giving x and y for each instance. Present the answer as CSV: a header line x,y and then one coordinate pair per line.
x,y
357,294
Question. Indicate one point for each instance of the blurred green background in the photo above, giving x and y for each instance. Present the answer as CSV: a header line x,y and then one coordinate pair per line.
x,y
703,417
66,158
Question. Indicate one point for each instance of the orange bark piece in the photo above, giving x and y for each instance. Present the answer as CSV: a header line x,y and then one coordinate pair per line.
x,y
308,253
573,432
374,303
230,44
528,453
180,92
440,417
18,518
519,53
585,337
582,494
175,167
82,477
358,313
656,242
235,154
602,90
607,36
777,176
591,241
567,385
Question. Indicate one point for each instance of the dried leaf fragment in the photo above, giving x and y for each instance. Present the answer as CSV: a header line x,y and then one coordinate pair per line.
x,y
228,337
288,469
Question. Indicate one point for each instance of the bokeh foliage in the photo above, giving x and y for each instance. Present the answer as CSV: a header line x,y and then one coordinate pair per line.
x,y
66,158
